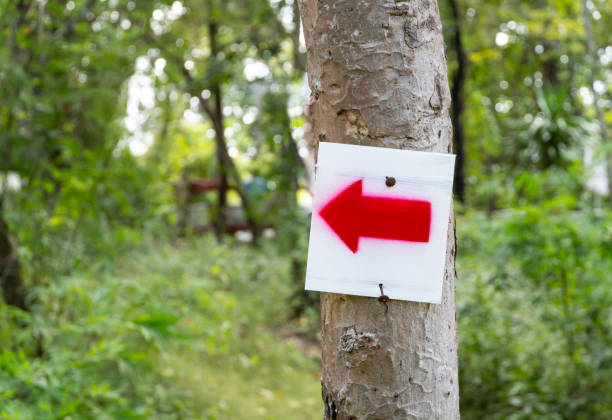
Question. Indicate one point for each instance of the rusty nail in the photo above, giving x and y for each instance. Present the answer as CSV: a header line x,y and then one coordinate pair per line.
x,y
383,298
389,181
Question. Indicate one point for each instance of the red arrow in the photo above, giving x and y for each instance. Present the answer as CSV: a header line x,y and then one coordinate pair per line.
x,y
352,215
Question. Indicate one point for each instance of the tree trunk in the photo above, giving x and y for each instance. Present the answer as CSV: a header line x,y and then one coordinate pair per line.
x,y
11,283
227,172
377,71
226,165
457,105
222,167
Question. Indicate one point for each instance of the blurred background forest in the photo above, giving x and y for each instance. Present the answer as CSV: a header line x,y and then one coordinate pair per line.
x,y
154,207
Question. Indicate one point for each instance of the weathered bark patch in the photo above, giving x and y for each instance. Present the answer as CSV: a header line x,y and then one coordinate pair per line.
x,y
352,341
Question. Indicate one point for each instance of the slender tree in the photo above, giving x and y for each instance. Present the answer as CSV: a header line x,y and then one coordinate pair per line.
x,y
11,283
215,38
213,109
377,71
458,103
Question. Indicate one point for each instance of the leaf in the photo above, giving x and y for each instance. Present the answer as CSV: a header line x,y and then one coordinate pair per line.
x,y
156,320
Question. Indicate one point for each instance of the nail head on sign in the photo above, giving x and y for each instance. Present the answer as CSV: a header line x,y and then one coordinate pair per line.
x,y
390,181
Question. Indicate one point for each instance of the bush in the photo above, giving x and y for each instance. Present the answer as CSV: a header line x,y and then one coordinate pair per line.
x,y
166,333
534,313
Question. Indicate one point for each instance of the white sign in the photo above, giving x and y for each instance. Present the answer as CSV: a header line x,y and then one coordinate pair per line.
x,y
380,216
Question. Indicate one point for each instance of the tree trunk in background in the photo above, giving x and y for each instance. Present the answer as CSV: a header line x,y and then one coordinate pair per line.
x,y
222,167
458,104
377,71
11,283
227,171
226,165
216,117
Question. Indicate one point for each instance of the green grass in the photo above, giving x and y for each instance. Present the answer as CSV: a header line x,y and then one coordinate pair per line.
x,y
200,331
165,332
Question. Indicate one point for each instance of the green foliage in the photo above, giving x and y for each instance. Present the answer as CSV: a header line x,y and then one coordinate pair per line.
x,y
124,325
534,314
163,333
62,70
528,73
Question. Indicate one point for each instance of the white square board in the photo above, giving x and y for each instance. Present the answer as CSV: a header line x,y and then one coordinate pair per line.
x,y
365,233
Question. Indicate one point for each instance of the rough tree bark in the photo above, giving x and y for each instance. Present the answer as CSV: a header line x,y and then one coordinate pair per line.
x,y
377,71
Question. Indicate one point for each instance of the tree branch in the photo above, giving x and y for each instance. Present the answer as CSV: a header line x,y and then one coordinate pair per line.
x,y
203,101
